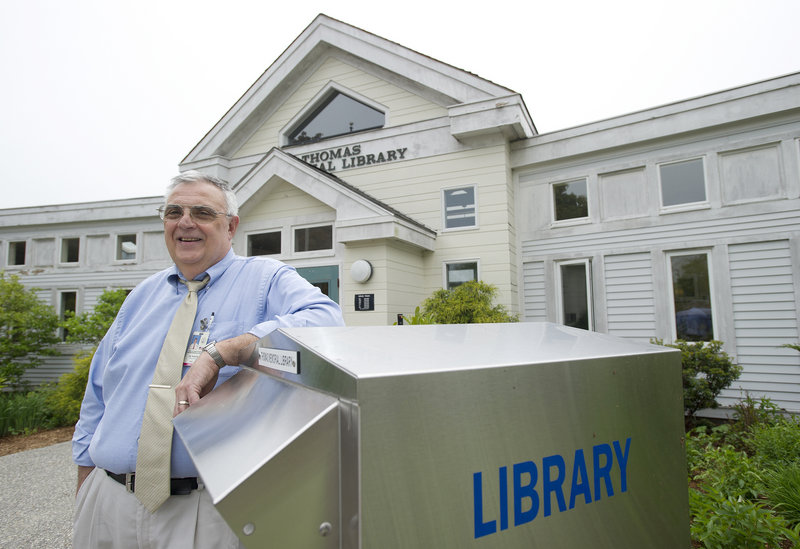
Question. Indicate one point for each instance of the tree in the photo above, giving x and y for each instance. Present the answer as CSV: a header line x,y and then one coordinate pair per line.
x,y
91,327
66,397
467,303
27,330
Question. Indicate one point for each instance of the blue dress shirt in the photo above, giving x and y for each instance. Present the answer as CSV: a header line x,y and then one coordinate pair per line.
x,y
244,295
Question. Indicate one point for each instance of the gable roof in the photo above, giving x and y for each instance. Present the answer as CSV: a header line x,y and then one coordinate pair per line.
x,y
438,82
359,216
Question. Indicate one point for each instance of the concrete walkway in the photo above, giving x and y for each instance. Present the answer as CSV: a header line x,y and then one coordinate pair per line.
x,y
37,491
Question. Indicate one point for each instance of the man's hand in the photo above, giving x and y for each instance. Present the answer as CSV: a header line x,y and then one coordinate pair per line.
x,y
203,374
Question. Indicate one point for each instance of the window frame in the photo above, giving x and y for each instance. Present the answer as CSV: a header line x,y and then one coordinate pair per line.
x,y
9,255
684,206
560,302
445,279
474,225
707,252
325,95
554,221
312,253
278,230
118,248
62,332
62,242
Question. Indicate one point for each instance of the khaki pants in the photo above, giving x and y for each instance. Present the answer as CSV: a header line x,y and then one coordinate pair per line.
x,y
107,515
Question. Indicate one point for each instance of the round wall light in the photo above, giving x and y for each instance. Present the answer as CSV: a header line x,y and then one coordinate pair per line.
x,y
361,271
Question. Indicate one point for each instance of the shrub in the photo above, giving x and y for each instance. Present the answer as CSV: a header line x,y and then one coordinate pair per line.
x,y
24,413
467,303
728,471
723,522
707,370
748,413
66,397
776,445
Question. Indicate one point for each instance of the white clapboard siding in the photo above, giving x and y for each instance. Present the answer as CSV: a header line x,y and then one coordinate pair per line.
x,y
765,318
53,367
630,298
535,296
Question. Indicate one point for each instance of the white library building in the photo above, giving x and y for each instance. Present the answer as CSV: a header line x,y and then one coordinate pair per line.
x,y
382,174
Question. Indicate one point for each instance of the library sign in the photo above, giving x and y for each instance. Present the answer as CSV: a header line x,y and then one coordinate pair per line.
x,y
343,158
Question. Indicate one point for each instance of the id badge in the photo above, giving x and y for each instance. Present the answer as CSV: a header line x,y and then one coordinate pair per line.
x,y
198,340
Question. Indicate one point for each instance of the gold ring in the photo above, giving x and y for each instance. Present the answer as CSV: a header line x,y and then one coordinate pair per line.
x,y
183,403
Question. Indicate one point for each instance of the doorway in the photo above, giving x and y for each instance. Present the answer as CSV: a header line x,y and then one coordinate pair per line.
x,y
325,278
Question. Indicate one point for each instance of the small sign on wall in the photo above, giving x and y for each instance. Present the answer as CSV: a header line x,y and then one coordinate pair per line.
x,y
365,302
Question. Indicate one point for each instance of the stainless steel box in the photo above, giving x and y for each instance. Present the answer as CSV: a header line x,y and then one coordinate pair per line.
x,y
447,436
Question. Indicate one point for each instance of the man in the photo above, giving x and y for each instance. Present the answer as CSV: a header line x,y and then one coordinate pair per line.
x,y
243,300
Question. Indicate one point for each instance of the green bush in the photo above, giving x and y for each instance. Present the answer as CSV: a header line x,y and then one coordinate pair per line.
x,y
707,370
65,398
730,472
467,303
725,522
776,445
746,499
24,413
749,412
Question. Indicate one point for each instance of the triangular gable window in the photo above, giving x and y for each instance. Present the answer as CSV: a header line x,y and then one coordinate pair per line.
x,y
336,115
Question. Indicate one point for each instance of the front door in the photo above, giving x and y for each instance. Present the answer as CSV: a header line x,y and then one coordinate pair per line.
x,y
325,278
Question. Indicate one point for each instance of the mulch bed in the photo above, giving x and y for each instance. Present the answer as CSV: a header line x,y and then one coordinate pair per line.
x,y
18,443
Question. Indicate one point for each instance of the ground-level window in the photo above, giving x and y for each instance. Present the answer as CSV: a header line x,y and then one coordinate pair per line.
x,y
570,200
682,183
459,208
126,246
575,294
16,253
311,239
68,305
70,250
264,243
457,273
691,296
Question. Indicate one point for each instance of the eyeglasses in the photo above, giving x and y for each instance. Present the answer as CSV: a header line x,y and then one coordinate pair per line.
x,y
200,214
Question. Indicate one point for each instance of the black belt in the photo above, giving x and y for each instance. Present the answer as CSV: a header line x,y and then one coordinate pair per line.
x,y
178,486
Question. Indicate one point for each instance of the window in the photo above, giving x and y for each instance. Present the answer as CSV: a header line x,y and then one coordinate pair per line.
x,y
67,307
682,183
311,239
264,243
575,293
458,273
70,250
459,208
691,295
126,246
336,115
16,253
570,200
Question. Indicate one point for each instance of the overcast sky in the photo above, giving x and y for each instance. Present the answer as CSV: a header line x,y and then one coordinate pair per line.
x,y
101,99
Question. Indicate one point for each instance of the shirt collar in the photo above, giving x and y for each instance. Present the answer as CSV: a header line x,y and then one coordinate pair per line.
x,y
214,272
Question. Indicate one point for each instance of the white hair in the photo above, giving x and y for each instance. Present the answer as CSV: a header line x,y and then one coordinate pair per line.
x,y
193,176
